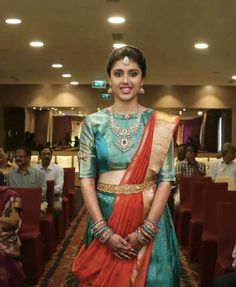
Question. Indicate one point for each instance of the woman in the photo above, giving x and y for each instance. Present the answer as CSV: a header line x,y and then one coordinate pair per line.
x,y
11,274
130,239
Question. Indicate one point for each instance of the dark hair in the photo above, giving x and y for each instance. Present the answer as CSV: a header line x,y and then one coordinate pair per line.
x,y
227,147
130,51
4,149
44,147
181,145
25,149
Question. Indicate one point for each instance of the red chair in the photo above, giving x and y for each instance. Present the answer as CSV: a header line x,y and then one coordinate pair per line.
x,y
208,250
195,224
226,223
68,194
69,184
32,247
185,205
47,224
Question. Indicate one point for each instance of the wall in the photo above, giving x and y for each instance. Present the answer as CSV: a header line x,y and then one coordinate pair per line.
x,y
87,99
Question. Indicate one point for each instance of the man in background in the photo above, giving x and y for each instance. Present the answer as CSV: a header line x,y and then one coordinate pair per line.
x,y
224,166
27,176
52,172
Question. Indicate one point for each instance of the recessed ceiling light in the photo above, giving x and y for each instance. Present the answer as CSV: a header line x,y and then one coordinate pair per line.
x,y
118,45
57,66
234,77
34,108
66,75
72,109
184,110
40,109
13,21
74,83
199,113
36,44
116,20
180,112
201,46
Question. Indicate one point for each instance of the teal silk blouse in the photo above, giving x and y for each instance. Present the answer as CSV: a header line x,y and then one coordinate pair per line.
x,y
98,152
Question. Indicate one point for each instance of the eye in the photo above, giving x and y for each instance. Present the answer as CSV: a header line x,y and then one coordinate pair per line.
x,y
117,73
133,73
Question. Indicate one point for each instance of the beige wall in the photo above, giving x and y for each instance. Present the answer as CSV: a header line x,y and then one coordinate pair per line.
x,y
87,99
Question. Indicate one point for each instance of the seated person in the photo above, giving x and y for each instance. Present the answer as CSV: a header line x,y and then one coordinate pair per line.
x,y
5,165
225,166
228,280
181,149
11,273
52,172
27,176
189,166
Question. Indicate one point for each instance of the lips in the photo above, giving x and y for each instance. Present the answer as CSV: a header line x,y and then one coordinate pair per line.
x,y
126,90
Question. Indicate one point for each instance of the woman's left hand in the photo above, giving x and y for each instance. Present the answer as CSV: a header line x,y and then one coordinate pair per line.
x,y
133,242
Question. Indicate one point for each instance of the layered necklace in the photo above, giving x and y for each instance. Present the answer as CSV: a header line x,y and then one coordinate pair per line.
x,y
125,140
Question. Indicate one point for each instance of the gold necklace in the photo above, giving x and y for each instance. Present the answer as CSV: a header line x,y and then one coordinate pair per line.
x,y
125,141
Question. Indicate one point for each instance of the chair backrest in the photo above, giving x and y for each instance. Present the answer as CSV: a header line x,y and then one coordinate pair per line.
x,y
50,195
226,238
31,200
69,179
185,183
210,199
197,190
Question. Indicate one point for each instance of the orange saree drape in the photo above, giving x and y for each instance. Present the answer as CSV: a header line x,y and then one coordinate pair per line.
x,y
96,266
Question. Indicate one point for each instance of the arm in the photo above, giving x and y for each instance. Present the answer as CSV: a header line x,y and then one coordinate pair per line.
x,y
10,222
165,177
42,184
90,198
59,181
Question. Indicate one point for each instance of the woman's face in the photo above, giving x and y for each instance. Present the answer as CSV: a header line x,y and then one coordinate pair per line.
x,y
125,80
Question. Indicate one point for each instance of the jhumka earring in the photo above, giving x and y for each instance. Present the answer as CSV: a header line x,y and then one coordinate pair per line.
x,y
109,91
141,91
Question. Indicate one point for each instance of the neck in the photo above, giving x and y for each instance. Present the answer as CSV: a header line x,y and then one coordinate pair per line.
x,y
45,166
125,108
23,168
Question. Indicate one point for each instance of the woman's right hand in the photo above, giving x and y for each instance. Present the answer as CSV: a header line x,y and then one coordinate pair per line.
x,y
119,247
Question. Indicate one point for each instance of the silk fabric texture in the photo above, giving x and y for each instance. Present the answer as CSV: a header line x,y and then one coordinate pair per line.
x,y
157,263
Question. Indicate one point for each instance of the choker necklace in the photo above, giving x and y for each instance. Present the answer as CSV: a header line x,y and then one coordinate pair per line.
x,y
125,141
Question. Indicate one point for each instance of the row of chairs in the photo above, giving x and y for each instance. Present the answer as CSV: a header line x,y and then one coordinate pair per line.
x,y
205,225
40,236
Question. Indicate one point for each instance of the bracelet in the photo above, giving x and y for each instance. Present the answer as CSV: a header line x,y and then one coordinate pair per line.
x,y
101,231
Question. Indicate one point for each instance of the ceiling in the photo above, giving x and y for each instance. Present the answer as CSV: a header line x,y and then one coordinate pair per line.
x,y
76,33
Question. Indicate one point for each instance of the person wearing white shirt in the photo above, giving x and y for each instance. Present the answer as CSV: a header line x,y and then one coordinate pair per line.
x,y
225,166
52,172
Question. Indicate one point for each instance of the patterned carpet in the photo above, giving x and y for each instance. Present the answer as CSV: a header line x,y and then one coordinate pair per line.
x,y
58,270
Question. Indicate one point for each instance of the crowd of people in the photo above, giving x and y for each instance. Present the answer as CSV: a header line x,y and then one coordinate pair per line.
x,y
20,173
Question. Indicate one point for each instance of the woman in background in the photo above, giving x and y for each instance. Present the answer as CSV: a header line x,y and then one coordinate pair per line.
x,y
11,273
130,238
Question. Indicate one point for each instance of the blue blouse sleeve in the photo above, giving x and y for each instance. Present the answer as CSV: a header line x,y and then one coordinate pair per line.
x,y
167,170
87,153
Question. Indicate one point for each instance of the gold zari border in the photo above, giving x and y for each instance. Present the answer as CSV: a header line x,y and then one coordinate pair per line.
x,y
125,188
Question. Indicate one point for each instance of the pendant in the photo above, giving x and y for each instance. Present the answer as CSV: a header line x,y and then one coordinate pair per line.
x,y
124,144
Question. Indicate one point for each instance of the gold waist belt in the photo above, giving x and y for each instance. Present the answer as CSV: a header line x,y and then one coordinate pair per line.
x,y
125,188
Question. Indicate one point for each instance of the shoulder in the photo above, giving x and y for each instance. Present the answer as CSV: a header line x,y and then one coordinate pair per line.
x,y
97,118
55,166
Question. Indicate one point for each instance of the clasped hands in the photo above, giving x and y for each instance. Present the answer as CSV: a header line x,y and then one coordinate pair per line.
x,y
124,248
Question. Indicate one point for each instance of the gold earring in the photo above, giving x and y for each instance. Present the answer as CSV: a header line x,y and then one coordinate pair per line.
x,y
109,91
141,91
